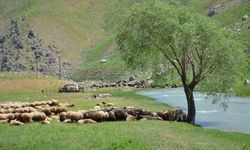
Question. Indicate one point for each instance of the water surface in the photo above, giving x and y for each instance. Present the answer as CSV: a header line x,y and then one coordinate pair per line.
x,y
235,119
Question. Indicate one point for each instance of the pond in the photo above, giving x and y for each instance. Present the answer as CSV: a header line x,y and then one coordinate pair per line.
x,y
234,119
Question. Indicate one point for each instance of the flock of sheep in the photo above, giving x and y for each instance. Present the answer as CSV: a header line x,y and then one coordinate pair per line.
x,y
46,111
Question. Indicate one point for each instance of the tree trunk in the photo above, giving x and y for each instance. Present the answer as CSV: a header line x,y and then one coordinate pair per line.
x,y
191,104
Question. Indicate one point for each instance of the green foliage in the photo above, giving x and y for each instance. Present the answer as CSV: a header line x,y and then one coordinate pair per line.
x,y
155,32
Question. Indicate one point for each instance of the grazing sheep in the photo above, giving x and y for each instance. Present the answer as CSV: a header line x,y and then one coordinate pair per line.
x,y
2,111
49,119
151,117
98,116
39,107
3,116
97,108
163,115
131,118
54,102
63,116
18,116
47,111
53,109
55,117
60,110
120,115
38,116
75,116
67,121
44,122
10,110
16,123
26,117
111,116
3,121
172,115
10,116
86,121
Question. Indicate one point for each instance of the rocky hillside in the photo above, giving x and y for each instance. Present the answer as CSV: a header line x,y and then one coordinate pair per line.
x,y
24,50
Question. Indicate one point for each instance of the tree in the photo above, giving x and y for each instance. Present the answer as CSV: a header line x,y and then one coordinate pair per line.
x,y
198,48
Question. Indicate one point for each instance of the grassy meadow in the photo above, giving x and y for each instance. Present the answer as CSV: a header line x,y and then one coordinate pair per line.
x,y
109,135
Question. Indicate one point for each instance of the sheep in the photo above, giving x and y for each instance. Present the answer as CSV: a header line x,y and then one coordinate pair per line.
x,y
39,107
151,117
55,117
44,122
63,116
111,116
60,110
163,115
75,116
48,119
95,115
130,118
54,102
3,116
3,121
67,121
97,108
10,116
26,117
10,110
16,123
53,109
18,116
38,116
86,121
120,115
47,111
2,111
49,102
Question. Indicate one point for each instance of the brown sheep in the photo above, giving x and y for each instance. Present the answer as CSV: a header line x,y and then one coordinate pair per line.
x,y
10,110
60,110
120,115
3,116
86,121
38,116
63,116
10,116
98,116
3,121
18,116
55,117
130,118
111,116
53,109
45,122
54,102
26,117
16,123
151,117
75,116
67,121
2,111
47,111
163,115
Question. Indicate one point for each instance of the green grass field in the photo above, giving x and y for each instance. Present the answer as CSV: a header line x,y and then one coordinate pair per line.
x,y
141,135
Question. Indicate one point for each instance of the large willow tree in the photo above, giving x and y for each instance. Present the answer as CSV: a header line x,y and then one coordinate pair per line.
x,y
200,50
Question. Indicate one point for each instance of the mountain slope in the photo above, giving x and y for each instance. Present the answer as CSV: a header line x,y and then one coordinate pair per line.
x,y
72,24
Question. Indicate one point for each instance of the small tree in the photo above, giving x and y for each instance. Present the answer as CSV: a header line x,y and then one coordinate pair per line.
x,y
198,49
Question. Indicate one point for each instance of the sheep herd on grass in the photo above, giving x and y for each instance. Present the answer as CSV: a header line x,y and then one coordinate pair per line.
x,y
46,111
